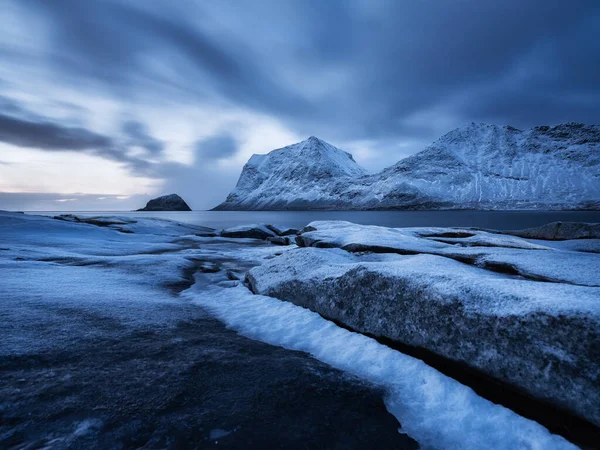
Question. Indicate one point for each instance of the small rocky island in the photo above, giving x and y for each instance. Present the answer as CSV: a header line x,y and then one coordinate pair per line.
x,y
171,202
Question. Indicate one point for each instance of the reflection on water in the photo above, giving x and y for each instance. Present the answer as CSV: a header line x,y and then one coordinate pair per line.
x,y
500,220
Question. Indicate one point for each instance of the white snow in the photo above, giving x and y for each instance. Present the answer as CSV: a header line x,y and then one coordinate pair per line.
x,y
479,290
475,166
551,260
434,409
54,262
298,172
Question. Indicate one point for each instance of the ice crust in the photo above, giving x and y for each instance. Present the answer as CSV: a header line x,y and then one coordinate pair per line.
x,y
436,410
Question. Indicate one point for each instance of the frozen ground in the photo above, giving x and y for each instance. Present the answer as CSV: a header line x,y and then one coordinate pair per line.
x,y
98,350
110,340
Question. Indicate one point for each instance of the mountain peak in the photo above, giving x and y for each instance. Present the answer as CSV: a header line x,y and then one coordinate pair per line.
x,y
296,172
475,166
315,142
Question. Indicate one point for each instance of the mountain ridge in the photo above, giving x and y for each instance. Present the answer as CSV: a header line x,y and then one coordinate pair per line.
x,y
475,166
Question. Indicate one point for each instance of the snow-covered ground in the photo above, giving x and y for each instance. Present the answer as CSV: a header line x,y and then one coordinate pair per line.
x,y
434,409
99,350
107,334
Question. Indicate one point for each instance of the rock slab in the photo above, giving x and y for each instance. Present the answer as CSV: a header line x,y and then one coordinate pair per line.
x,y
540,337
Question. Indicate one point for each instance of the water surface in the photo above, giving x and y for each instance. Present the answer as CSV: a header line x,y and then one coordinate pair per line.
x,y
499,220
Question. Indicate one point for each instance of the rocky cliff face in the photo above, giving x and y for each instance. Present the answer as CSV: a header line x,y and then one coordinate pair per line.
x,y
476,166
172,202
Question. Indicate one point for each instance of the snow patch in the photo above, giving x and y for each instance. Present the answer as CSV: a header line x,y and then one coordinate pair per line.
x,y
434,409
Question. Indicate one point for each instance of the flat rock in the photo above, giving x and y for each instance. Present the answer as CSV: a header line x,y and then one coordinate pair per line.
x,y
146,225
498,314
97,352
493,251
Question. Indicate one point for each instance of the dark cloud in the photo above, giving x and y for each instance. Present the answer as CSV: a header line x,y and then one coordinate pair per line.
x,y
46,135
397,58
220,146
110,42
380,70
50,136
138,134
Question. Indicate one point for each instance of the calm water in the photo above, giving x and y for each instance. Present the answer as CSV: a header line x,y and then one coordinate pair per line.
x,y
500,220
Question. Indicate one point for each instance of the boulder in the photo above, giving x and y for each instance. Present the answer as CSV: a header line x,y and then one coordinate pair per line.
x,y
255,231
172,202
282,231
280,240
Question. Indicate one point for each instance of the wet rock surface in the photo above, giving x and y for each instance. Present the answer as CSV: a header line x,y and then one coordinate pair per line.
x,y
173,384
272,233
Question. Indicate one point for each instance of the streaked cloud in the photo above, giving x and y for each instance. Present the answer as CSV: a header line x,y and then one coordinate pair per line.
x,y
161,91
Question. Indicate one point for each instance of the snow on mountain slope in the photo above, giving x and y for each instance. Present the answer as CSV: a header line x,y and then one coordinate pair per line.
x,y
493,167
476,166
299,175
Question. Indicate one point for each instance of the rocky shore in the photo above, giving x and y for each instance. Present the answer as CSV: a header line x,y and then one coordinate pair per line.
x,y
522,312
374,333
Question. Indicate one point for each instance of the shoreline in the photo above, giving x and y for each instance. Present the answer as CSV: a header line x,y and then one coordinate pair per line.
x,y
200,255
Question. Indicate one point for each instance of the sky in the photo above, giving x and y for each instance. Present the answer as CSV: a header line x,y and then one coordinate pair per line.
x,y
105,104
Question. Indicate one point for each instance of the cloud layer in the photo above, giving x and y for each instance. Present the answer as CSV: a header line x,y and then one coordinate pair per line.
x,y
164,88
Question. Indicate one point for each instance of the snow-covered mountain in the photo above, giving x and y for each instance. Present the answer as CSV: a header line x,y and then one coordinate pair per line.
x,y
299,176
476,166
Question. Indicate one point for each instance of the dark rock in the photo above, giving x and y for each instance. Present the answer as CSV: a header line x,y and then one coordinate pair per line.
x,y
233,276
249,232
172,202
209,267
108,222
449,234
307,229
560,231
206,234
282,231
279,240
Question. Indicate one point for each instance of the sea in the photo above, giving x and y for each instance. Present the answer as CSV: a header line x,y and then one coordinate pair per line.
x,y
498,220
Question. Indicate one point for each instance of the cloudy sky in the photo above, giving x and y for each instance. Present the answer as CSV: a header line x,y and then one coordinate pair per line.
x,y
104,104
